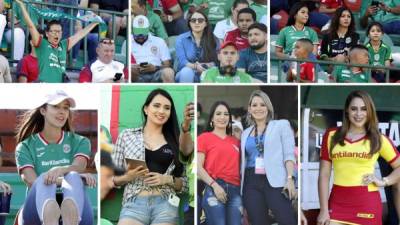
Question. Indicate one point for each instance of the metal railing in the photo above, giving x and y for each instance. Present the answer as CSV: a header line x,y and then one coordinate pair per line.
x,y
322,62
71,10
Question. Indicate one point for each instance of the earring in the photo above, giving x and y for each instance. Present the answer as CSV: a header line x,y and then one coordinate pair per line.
x,y
212,124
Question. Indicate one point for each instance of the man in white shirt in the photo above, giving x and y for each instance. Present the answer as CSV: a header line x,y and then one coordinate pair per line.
x,y
105,69
153,60
228,24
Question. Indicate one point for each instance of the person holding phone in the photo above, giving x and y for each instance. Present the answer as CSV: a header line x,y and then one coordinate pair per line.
x,y
50,155
150,193
153,59
268,162
352,151
105,69
386,12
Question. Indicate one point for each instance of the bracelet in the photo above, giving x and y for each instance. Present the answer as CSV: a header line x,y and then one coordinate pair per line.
x,y
185,131
212,182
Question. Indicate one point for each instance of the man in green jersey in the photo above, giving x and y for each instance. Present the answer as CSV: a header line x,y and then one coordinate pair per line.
x,y
52,52
226,72
343,74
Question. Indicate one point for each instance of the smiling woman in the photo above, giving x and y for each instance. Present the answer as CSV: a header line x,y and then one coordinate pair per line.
x,y
50,155
352,150
150,190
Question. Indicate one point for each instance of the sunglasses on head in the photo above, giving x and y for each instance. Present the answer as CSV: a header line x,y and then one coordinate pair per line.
x,y
107,41
198,20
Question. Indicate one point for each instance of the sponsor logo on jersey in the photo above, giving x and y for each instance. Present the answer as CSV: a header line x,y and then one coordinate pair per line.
x,y
361,155
55,162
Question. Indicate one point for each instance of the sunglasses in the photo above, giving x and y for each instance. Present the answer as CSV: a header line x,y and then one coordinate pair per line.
x,y
198,20
107,41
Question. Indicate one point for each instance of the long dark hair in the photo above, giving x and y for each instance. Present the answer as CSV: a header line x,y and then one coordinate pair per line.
x,y
32,122
371,125
207,40
294,10
210,126
170,129
335,22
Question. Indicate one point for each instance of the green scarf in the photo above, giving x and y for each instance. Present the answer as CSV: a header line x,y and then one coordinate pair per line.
x,y
49,14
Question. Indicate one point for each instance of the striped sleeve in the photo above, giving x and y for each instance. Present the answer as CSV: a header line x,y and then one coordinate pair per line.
x,y
324,154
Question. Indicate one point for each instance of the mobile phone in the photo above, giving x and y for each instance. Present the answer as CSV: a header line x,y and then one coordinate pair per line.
x,y
133,163
117,76
143,64
192,106
375,3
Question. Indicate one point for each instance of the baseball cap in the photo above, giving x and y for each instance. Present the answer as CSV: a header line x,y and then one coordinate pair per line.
x,y
140,25
228,43
58,96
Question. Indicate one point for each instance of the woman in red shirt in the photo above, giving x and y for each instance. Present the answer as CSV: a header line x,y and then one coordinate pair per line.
x,y
218,166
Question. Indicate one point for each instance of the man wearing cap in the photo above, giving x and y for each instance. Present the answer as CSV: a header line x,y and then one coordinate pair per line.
x,y
153,60
105,69
253,60
52,52
226,72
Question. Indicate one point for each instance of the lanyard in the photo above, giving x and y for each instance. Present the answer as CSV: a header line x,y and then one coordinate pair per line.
x,y
259,139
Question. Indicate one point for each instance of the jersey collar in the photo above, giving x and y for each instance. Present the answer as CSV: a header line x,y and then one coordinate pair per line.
x,y
45,142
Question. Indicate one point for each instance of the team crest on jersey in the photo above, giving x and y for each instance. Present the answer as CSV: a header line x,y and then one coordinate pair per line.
x,y
66,148
154,50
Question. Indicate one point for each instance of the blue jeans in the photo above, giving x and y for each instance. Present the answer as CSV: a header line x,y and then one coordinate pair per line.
x,y
318,19
148,210
187,75
392,27
72,187
218,213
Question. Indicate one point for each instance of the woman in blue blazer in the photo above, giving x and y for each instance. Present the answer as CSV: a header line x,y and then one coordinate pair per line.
x,y
267,164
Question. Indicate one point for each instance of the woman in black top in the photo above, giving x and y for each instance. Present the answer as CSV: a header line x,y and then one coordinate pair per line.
x,y
341,36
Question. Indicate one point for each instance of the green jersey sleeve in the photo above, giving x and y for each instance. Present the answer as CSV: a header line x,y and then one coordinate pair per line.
x,y
81,147
23,157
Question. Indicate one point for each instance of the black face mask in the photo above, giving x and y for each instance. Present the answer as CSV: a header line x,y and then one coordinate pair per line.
x,y
227,70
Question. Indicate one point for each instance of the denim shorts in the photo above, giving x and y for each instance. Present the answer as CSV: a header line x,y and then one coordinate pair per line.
x,y
150,210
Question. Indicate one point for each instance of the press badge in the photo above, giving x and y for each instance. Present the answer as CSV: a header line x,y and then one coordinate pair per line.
x,y
260,169
173,200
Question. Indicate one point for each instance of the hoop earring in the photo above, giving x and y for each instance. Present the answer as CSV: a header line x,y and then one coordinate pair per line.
x,y
212,124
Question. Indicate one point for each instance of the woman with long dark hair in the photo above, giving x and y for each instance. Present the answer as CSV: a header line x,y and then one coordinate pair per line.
x,y
268,164
218,167
150,191
195,49
50,154
352,150
296,28
341,36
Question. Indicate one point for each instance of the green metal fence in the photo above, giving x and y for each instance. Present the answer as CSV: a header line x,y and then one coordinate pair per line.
x,y
280,61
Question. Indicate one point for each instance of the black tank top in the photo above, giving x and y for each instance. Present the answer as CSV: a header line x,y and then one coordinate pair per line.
x,y
160,159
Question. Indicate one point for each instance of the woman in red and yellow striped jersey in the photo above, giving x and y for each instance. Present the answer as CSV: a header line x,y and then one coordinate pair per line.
x,y
353,150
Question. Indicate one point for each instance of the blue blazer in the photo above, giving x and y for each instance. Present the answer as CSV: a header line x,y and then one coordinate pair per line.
x,y
279,147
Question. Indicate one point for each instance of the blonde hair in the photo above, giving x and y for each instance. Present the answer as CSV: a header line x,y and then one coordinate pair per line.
x,y
266,100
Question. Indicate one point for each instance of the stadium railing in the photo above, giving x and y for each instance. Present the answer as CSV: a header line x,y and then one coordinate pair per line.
x,y
282,75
